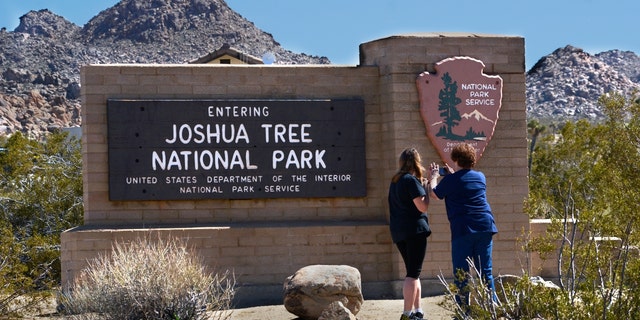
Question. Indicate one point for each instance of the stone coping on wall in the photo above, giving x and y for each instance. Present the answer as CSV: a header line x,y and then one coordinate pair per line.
x,y
256,224
447,35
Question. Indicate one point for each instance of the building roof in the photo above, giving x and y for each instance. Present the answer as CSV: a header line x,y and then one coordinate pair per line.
x,y
227,50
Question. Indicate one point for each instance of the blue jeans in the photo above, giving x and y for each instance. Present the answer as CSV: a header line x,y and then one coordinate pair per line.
x,y
478,247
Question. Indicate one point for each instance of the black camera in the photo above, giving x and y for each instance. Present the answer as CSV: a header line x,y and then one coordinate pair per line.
x,y
443,171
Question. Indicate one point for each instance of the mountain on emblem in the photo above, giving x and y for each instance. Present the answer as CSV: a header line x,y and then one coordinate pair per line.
x,y
459,103
476,115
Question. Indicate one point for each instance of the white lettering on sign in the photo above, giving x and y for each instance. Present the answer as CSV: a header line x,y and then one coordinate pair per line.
x,y
304,159
480,102
282,188
187,180
479,94
234,179
141,180
199,134
242,189
332,177
293,132
201,189
299,178
478,86
237,111
235,149
196,160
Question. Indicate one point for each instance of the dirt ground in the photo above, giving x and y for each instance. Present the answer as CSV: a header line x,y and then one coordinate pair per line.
x,y
371,310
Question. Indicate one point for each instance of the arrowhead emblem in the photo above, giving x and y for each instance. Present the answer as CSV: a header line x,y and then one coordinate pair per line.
x,y
459,103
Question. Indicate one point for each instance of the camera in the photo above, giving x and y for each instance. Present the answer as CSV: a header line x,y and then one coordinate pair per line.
x,y
443,171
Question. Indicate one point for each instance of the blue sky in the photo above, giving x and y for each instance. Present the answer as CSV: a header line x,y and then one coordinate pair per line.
x,y
335,28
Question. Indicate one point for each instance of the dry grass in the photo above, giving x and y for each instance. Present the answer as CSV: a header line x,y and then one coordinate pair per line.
x,y
148,280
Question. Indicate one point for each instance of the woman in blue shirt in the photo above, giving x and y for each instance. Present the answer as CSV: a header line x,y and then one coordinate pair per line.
x,y
409,226
470,218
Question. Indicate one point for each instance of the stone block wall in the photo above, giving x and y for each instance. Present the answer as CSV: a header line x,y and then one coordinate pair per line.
x,y
504,161
265,240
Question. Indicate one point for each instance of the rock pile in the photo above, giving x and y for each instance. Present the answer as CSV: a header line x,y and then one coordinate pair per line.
x,y
567,84
40,60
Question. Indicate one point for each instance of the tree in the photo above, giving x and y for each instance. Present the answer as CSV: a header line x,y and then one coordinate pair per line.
x,y
534,129
588,182
40,196
447,106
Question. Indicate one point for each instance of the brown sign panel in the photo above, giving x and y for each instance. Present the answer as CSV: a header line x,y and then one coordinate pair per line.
x,y
459,103
235,149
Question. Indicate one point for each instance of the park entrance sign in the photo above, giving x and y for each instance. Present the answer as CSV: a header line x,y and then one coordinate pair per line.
x,y
235,149
261,169
459,103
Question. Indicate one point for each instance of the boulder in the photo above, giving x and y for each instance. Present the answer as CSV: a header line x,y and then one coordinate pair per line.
x,y
311,290
337,311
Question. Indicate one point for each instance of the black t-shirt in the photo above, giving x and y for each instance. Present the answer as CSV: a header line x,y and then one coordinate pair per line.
x,y
405,219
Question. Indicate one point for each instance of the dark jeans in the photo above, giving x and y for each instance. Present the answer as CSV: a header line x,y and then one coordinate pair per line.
x,y
478,247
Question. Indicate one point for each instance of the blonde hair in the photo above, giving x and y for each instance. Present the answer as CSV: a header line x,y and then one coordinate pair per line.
x,y
410,162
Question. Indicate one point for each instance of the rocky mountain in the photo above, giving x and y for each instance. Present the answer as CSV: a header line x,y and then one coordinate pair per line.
x,y
566,84
40,60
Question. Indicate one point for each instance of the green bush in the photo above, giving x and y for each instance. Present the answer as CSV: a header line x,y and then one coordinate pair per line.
x,y
148,280
585,177
587,180
40,196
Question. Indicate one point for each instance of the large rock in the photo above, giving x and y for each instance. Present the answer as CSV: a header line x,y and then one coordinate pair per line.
x,y
311,290
337,311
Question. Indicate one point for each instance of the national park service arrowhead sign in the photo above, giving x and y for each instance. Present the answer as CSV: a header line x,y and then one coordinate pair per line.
x,y
459,103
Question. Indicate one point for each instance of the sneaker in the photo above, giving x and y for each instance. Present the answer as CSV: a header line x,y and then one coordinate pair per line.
x,y
417,316
406,317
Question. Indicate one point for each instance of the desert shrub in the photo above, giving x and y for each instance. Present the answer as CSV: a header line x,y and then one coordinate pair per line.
x,y
481,301
515,297
148,280
586,179
40,196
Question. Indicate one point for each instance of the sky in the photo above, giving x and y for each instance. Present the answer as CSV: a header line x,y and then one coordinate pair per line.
x,y
335,28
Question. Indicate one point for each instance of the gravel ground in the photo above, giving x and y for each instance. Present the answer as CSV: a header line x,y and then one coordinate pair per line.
x,y
371,310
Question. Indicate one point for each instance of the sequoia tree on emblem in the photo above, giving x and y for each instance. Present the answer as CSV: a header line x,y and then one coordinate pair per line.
x,y
459,103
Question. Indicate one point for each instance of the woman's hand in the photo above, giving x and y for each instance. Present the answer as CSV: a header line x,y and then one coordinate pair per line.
x,y
448,169
434,174
434,169
425,182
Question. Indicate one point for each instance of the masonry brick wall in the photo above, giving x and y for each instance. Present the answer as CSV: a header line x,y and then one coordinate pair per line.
x,y
266,240
257,253
504,161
